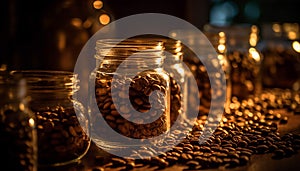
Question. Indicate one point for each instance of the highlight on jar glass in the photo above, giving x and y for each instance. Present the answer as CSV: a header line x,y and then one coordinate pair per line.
x,y
18,133
244,58
62,138
130,95
280,46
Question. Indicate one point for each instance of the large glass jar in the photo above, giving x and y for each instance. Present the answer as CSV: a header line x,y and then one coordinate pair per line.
x,y
18,137
131,90
62,123
244,58
280,47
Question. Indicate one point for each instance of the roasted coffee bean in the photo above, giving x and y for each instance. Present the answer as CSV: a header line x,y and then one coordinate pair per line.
x,y
284,120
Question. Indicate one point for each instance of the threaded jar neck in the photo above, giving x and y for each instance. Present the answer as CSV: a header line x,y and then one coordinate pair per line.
x,y
132,53
40,83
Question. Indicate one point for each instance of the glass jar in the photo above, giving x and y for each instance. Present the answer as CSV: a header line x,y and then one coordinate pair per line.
x,y
244,58
173,65
218,41
62,123
205,47
131,91
18,134
280,47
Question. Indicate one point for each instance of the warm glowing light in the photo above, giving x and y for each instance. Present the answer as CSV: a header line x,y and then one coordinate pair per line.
x,y
254,29
255,55
31,122
21,106
292,35
98,4
221,48
77,22
104,19
222,34
296,46
276,28
253,39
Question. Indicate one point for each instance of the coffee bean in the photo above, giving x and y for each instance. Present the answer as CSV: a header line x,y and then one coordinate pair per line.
x,y
284,120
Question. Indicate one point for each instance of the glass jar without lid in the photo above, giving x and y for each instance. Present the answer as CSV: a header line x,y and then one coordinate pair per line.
x,y
62,122
131,90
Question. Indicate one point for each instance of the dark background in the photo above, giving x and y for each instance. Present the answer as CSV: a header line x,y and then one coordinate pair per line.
x,y
38,34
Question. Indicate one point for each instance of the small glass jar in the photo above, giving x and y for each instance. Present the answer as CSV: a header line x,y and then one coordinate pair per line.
x,y
131,91
62,123
244,58
280,47
18,135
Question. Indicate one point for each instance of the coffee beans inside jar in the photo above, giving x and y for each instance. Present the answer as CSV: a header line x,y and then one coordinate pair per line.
x,y
62,124
131,92
18,135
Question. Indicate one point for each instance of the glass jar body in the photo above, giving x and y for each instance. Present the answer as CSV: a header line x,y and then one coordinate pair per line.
x,y
18,132
132,95
281,64
62,126
244,59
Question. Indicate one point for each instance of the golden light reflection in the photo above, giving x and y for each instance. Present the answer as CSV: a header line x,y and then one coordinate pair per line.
x,y
179,68
221,48
296,46
31,122
77,22
21,106
292,35
276,28
255,55
98,4
104,19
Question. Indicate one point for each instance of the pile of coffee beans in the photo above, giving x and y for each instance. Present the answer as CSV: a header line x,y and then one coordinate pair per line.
x,y
18,143
250,128
141,87
60,135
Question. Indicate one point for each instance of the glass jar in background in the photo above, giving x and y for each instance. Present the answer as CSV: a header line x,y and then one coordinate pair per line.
x,y
62,123
280,47
218,41
18,135
131,91
210,89
244,58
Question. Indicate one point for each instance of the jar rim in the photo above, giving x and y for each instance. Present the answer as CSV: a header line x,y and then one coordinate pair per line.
x,y
132,42
48,80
